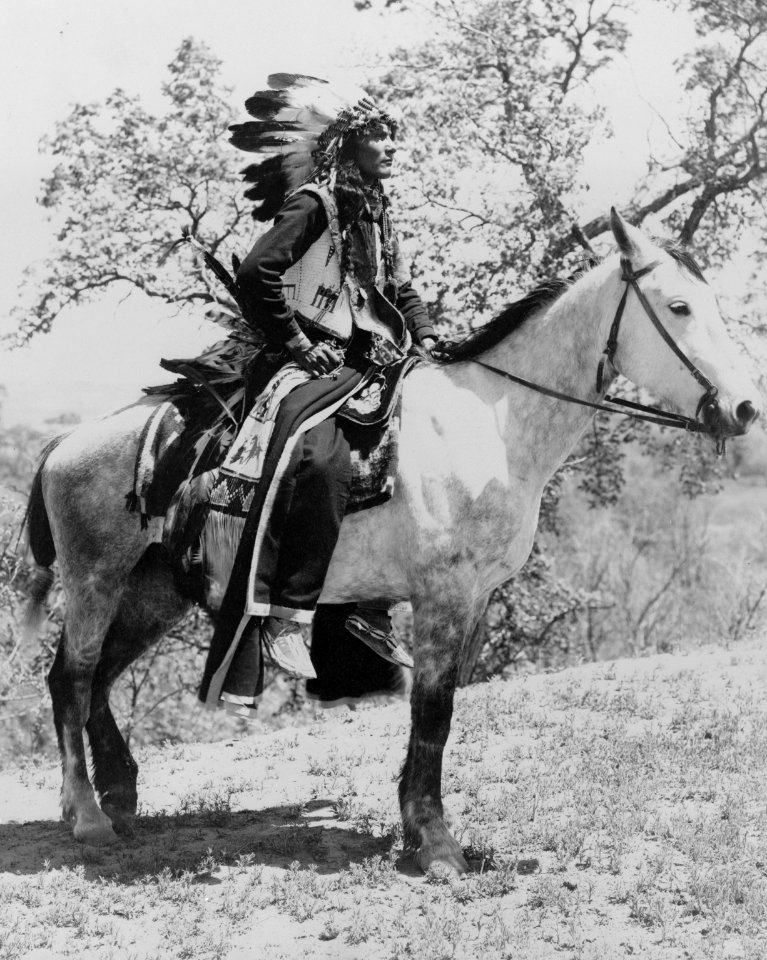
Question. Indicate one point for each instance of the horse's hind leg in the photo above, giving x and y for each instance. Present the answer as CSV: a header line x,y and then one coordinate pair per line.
x,y
115,772
439,637
150,605
89,614
80,496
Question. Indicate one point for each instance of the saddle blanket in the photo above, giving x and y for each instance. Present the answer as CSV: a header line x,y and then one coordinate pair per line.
x,y
167,482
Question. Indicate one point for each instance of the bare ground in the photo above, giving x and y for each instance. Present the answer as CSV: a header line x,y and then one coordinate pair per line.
x,y
613,810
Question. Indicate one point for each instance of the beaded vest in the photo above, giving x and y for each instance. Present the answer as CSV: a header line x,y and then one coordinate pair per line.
x,y
312,287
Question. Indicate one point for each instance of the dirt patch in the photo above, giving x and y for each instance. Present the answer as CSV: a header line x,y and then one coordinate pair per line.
x,y
611,810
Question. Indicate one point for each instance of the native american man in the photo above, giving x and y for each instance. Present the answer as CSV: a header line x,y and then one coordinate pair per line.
x,y
327,283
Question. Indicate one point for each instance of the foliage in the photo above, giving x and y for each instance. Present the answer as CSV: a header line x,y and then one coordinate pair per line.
x,y
19,448
125,186
645,572
725,134
532,619
492,182
25,720
494,133
503,107
660,570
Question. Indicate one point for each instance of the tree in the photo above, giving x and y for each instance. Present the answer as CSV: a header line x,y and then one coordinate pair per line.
x,y
125,186
494,131
721,157
498,108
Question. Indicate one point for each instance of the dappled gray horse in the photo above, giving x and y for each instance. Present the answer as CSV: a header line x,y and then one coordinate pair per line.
x,y
476,451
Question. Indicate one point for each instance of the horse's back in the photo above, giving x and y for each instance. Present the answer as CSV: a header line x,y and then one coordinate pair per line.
x,y
113,436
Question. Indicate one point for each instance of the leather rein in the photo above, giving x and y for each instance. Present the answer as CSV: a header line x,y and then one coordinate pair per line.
x,y
638,411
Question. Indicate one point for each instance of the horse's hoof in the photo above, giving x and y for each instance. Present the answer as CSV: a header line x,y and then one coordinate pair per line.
x,y
96,833
444,855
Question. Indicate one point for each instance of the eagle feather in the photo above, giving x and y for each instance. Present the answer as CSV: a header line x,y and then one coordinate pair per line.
x,y
288,120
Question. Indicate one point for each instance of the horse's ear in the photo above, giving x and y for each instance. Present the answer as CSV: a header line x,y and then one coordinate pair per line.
x,y
627,237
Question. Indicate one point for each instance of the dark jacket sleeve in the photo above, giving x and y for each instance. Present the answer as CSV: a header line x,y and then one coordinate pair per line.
x,y
412,309
300,223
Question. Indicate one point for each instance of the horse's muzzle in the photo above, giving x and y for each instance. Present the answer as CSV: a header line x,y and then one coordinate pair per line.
x,y
722,423
746,413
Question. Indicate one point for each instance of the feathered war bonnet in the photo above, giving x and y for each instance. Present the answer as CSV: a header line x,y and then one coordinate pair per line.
x,y
300,127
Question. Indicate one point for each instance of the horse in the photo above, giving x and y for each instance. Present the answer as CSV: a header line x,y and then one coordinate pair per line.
x,y
476,449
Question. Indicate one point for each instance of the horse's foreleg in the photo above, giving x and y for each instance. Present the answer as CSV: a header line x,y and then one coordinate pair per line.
x,y
439,638
70,681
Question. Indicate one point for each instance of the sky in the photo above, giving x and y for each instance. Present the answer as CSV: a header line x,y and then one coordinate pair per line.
x,y
55,53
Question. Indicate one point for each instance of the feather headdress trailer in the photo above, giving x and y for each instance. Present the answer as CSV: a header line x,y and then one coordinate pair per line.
x,y
298,121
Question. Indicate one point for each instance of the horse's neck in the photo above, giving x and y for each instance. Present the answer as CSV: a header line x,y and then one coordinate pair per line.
x,y
557,348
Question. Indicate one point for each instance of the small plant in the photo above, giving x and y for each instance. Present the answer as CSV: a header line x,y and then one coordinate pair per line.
x,y
214,804
361,926
301,893
373,872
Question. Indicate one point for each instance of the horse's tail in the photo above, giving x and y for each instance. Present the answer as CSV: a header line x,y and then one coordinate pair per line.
x,y
41,550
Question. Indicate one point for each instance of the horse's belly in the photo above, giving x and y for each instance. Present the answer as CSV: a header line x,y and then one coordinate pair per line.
x,y
367,563
401,549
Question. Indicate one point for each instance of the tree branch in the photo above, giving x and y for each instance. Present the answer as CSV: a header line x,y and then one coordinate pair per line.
x,y
601,224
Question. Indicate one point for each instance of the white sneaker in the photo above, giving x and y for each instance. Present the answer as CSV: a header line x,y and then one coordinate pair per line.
x,y
283,643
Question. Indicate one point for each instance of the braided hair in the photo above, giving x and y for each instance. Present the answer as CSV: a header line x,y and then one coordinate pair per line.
x,y
356,200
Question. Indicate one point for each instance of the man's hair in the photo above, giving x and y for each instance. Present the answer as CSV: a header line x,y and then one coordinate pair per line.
x,y
352,196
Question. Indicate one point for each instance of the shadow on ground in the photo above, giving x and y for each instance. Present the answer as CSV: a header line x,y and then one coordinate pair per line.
x,y
274,837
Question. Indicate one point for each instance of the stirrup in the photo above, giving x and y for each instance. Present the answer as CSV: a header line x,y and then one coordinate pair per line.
x,y
283,643
382,642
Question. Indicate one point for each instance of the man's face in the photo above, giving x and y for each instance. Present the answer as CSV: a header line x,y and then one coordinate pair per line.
x,y
375,154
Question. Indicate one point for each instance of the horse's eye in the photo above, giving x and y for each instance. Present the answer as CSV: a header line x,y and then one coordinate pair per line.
x,y
680,308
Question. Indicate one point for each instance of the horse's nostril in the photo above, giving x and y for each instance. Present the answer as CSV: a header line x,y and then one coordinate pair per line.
x,y
745,412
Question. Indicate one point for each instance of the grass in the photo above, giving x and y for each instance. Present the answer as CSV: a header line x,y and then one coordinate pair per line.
x,y
612,810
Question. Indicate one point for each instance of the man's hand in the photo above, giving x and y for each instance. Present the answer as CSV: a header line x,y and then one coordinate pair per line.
x,y
427,343
316,358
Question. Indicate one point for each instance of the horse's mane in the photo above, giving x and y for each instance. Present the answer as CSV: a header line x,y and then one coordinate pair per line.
x,y
516,313
509,319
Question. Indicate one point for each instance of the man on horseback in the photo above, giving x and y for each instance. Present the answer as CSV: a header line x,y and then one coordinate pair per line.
x,y
475,455
327,286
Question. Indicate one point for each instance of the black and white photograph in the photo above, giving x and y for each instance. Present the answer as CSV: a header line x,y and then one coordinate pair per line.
x,y
383,480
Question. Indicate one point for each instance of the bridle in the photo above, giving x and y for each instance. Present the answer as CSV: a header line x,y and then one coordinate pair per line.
x,y
641,411
630,277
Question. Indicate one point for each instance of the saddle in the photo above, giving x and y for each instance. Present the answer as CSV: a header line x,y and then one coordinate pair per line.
x,y
199,416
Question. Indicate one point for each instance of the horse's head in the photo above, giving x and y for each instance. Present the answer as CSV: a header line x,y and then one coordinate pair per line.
x,y
686,307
